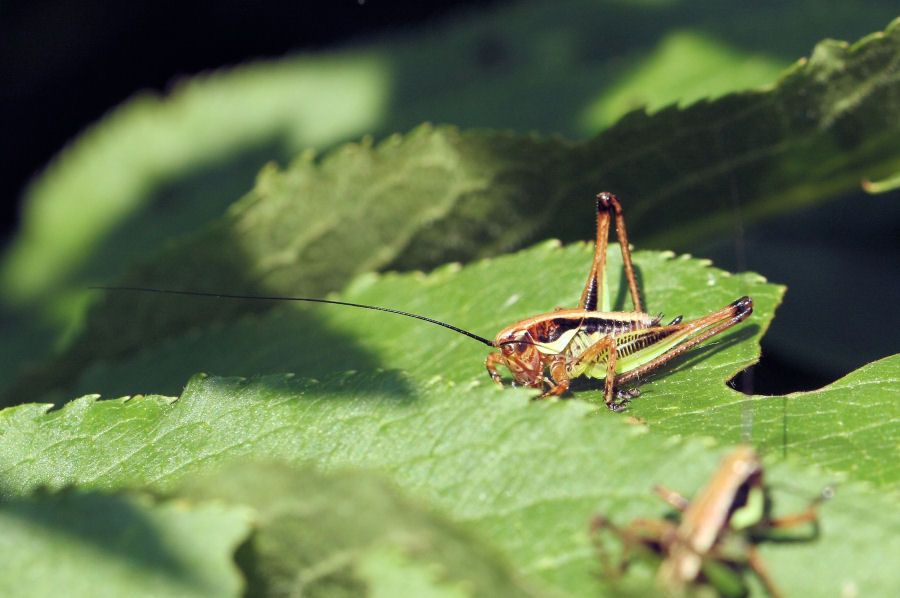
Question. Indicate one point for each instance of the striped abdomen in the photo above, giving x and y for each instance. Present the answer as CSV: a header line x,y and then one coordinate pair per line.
x,y
573,332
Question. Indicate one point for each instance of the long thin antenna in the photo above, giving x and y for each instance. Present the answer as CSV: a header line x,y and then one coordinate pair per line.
x,y
472,335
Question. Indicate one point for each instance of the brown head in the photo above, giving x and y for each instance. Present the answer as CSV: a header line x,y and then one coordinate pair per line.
x,y
521,355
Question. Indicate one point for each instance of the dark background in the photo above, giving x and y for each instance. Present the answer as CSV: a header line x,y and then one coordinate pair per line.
x,y
64,64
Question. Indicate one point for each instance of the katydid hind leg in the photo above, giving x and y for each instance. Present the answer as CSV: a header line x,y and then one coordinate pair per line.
x,y
762,572
595,289
809,515
672,497
611,203
707,326
646,534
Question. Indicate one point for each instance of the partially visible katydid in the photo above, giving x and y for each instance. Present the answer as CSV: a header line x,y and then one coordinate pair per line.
x,y
550,349
717,533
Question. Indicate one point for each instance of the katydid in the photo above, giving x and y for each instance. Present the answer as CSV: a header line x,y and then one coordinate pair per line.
x,y
616,346
717,532
548,350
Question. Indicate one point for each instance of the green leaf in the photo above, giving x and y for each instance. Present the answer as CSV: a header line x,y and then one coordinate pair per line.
x,y
350,533
89,544
687,66
846,428
526,476
884,186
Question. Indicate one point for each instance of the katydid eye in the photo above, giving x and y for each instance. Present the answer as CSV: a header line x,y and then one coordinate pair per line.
x,y
511,347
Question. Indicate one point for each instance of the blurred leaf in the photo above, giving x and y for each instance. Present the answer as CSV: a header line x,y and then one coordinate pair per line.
x,y
533,56
350,534
96,194
88,544
883,186
686,67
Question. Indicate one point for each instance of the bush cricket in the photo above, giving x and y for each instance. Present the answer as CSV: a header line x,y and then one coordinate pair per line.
x,y
589,340
717,531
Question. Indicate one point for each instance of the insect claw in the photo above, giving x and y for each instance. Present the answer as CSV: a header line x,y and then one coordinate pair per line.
x,y
626,394
617,406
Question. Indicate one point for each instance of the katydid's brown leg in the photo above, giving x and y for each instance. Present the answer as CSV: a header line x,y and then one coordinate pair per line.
x,y
493,360
675,499
651,534
759,567
611,203
720,320
559,377
607,345
810,514
598,523
806,516
593,289
610,382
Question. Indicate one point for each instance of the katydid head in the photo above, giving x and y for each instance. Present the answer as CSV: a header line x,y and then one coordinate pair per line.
x,y
520,354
